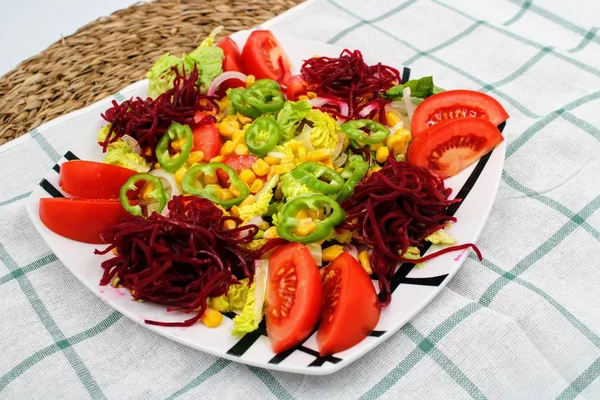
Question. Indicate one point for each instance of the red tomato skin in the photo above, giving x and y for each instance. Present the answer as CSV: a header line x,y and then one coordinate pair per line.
x,y
206,137
260,57
357,312
479,104
82,220
238,163
296,86
288,332
231,62
93,180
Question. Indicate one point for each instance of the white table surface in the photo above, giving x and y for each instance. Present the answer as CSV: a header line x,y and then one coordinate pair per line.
x,y
29,26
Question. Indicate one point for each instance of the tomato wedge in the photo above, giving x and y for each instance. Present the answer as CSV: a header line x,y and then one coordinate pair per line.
x,y
231,62
263,57
206,137
93,180
350,306
82,220
450,147
294,296
238,163
296,85
456,104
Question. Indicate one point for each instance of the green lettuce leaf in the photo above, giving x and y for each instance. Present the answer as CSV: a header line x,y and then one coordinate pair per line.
x,y
244,322
441,237
290,117
209,61
161,75
124,157
419,88
324,131
290,187
234,300
261,205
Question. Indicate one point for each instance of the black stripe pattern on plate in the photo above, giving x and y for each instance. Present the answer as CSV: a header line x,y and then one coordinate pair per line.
x,y
50,189
405,74
70,156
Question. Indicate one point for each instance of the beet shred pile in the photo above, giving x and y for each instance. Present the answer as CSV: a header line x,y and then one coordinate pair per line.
x,y
397,207
182,259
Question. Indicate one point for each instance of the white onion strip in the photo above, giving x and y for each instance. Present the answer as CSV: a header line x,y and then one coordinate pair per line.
x,y
321,101
169,185
225,76
131,142
410,107
305,138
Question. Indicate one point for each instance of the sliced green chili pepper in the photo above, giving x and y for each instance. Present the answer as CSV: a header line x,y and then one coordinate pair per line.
x,y
175,131
378,132
264,99
157,194
265,84
353,173
262,136
309,173
314,202
236,96
191,184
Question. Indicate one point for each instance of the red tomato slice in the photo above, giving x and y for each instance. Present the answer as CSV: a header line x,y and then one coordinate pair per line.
x,y
82,220
448,148
206,137
296,85
294,296
93,180
238,163
456,104
264,57
231,62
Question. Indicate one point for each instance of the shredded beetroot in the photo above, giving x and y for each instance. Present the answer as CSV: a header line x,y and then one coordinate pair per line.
x,y
348,78
182,259
146,120
397,207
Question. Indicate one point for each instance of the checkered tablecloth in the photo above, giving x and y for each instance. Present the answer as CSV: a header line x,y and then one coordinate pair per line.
x,y
524,323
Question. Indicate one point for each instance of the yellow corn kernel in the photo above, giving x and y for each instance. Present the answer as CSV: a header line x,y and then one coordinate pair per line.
x,y
157,165
397,143
217,159
224,194
223,103
248,176
211,179
311,95
319,155
271,233
260,167
211,318
302,214
241,149
301,154
227,148
256,186
179,174
295,145
272,160
382,154
227,127
239,136
328,163
305,226
195,157
243,119
278,193
235,190
375,147
404,133
316,214
373,170
250,79
302,97
283,168
229,224
235,211
363,258
264,226
331,253
339,170
115,251
287,160
392,118
147,151
147,189
248,201
178,144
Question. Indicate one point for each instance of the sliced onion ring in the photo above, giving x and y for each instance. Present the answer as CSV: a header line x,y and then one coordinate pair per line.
x,y
338,162
131,142
339,146
321,101
225,76
169,184
305,138
410,107
276,154
316,251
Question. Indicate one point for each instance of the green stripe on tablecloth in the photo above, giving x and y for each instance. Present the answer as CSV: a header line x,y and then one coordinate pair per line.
x,y
445,44
43,143
38,356
423,348
510,181
580,326
584,380
500,94
519,13
58,336
16,198
271,383
519,71
585,41
360,23
524,40
582,124
213,369
45,260
447,365
537,254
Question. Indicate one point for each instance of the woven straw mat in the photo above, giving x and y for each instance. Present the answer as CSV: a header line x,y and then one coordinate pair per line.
x,y
113,52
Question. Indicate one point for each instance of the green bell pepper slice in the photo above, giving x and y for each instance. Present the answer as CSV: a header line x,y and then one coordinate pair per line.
x,y
175,131
288,221
236,96
158,194
265,84
265,100
190,184
262,136
378,132
310,174
353,173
